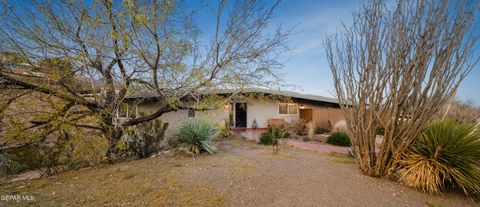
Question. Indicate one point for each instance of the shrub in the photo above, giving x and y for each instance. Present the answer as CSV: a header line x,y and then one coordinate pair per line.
x,y
273,134
339,139
225,129
321,130
380,131
446,153
195,137
299,127
8,167
46,156
267,138
143,140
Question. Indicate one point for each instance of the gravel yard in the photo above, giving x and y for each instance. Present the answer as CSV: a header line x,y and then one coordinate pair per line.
x,y
242,174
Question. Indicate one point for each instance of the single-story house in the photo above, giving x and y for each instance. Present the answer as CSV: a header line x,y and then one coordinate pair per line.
x,y
243,113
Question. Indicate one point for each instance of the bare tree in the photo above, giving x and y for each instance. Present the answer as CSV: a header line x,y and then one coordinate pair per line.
x,y
396,69
132,47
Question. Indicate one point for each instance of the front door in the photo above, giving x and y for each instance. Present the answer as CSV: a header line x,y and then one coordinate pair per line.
x,y
240,115
306,115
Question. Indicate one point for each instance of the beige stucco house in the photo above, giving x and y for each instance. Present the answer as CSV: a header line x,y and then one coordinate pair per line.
x,y
244,113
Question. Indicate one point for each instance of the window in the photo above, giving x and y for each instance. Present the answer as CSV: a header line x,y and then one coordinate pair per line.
x,y
292,109
191,113
123,111
284,108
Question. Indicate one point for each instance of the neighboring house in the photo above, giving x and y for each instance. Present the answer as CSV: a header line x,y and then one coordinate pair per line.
x,y
244,113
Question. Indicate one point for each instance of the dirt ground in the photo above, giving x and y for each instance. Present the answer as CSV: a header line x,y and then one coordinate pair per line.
x,y
241,174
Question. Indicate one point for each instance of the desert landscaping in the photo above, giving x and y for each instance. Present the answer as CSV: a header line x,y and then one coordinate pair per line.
x,y
241,174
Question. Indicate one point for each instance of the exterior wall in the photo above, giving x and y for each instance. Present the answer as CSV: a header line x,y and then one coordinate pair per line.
x,y
176,119
325,116
262,111
256,110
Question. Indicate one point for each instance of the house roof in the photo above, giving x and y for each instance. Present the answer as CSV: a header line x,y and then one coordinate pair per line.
x,y
291,94
285,93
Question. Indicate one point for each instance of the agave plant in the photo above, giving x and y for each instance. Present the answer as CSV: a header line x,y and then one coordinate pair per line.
x,y
196,136
447,153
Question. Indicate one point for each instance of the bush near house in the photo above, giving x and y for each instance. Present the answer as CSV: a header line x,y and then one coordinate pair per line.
x,y
273,134
225,129
195,137
299,127
339,139
143,140
447,153
321,130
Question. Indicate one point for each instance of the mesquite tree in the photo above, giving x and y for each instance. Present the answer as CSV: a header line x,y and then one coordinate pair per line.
x,y
112,49
396,69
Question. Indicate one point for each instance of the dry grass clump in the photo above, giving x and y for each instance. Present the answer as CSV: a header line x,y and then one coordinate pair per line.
x,y
461,111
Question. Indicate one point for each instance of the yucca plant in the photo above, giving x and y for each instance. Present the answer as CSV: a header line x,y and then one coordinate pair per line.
x,y
446,153
196,136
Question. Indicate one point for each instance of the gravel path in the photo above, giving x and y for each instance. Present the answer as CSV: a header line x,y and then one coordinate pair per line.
x,y
295,177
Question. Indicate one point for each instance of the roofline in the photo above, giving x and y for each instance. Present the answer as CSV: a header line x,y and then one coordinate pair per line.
x,y
290,94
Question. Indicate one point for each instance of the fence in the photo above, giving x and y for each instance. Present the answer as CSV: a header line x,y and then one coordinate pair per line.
x,y
327,117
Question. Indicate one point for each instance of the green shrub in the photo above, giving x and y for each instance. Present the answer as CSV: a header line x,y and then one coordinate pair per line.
x,y
446,153
380,131
143,140
273,134
195,137
321,130
339,139
267,138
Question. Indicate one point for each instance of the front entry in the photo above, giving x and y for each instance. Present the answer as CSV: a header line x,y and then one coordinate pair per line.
x,y
240,115
306,115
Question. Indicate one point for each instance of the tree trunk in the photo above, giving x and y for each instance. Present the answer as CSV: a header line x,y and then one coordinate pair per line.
x,y
113,137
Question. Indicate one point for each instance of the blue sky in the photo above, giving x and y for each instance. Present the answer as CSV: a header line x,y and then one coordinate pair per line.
x,y
305,64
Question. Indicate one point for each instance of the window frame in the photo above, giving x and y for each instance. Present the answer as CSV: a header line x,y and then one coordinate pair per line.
x,y
296,109
288,108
